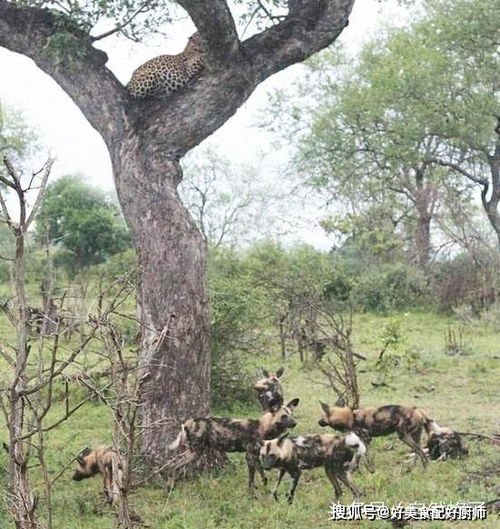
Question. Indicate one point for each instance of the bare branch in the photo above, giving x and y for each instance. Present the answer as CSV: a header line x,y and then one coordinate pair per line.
x,y
5,211
144,8
460,170
34,210
82,75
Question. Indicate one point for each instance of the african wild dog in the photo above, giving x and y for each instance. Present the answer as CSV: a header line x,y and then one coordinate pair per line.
x,y
269,390
445,443
339,455
234,435
406,422
102,460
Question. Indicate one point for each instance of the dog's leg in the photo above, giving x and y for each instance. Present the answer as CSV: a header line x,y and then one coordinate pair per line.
x,y
417,435
346,479
263,476
295,473
330,472
251,471
409,440
282,472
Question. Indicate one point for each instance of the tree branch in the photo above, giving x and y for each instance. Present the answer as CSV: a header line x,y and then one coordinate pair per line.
x,y
76,66
34,210
216,27
202,107
460,170
310,26
124,24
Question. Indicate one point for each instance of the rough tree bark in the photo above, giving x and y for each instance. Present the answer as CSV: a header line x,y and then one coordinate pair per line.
x,y
425,196
146,140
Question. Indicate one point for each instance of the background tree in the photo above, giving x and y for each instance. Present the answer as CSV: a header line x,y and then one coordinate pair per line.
x,y
464,97
230,204
410,107
146,140
294,281
82,221
17,139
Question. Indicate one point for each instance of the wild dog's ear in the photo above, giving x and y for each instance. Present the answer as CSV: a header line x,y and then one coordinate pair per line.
x,y
265,372
363,434
275,404
293,403
324,407
341,403
280,372
83,454
282,438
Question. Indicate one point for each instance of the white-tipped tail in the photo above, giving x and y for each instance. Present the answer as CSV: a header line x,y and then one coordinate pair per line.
x,y
433,426
353,440
300,440
178,440
116,485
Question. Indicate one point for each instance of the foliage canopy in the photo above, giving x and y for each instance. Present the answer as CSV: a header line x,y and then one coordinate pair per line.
x,y
82,222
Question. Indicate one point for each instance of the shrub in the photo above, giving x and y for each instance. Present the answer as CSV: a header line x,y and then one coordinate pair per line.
x,y
467,281
390,287
236,328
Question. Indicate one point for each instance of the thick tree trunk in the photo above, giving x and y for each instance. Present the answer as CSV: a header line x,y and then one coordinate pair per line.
x,y
491,205
425,200
423,239
173,299
491,208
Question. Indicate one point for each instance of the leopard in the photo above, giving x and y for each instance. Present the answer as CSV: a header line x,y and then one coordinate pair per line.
x,y
163,75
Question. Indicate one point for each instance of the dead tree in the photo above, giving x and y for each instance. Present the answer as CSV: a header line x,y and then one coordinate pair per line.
x,y
125,387
338,361
146,140
22,503
35,364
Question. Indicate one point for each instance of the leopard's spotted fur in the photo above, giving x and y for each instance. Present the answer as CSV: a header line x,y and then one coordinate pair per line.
x,y
165,74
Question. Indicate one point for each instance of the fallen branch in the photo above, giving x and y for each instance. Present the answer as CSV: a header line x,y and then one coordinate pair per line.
x,y
494,438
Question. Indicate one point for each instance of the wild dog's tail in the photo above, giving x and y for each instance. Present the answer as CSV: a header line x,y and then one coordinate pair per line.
x,y
352,440
430,425
116,478
181,438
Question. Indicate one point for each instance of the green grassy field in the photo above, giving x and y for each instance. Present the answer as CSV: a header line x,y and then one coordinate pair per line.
x,y
458,390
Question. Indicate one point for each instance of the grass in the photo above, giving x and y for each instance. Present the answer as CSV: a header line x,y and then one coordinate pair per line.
x,y
459,391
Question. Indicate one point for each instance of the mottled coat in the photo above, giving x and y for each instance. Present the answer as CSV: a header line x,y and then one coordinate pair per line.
x,y
237,435
446,444
407,422
269,389
102,460
339,455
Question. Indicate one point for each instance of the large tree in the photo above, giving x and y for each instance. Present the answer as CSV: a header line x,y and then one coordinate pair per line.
x,y
407,120
146,141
